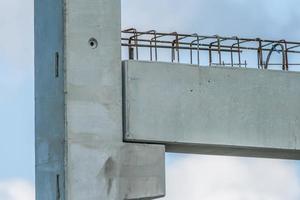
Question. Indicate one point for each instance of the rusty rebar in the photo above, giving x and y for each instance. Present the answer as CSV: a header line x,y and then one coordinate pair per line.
x,y
174,41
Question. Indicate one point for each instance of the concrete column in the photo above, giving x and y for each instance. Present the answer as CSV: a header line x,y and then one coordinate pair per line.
x,y
80,154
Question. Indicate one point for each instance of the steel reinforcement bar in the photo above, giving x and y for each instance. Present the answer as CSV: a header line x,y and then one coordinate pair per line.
x,y
219,51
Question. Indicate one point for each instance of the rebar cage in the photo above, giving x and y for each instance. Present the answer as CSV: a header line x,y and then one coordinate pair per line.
x,y
210,50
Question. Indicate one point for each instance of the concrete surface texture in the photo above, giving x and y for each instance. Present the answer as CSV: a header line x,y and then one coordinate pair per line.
x,y
49,100
79,142
228,111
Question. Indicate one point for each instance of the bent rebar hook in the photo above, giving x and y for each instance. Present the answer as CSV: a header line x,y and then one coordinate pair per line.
x,y
271,52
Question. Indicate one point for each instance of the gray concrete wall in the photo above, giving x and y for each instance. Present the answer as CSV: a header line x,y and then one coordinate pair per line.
x,y
49,100
80,153
228,111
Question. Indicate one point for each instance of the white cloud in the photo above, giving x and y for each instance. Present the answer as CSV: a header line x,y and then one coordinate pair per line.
x,y
16,47
16,36
215,178
16,190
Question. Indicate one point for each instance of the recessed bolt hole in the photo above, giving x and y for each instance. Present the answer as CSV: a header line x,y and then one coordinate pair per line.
x,y
93,43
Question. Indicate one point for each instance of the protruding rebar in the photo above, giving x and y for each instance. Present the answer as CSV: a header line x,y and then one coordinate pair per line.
x,y
179,43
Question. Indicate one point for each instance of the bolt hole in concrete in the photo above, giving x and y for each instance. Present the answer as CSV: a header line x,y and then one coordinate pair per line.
x,y
93,43
195,177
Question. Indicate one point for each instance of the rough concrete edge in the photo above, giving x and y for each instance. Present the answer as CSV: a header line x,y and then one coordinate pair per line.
x,y
217,67
64,60
148,198
125,104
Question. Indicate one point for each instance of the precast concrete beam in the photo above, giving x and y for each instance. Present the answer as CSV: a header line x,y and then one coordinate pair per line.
x,y
213,110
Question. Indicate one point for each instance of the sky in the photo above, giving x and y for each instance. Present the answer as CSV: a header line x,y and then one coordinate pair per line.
x,y
190,177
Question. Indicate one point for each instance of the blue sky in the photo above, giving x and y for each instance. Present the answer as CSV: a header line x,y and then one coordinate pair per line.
x,y
274,19
16,85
